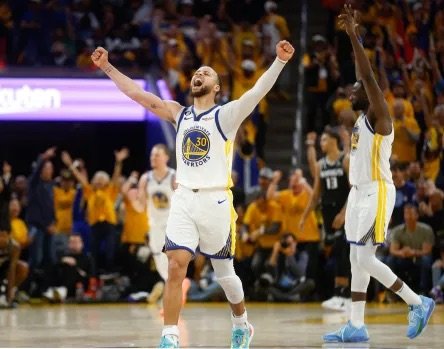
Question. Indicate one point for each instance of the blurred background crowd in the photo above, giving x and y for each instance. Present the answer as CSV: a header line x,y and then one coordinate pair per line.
x,y
82,241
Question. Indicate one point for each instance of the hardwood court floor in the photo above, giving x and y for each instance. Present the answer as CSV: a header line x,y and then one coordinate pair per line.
x,y
203,326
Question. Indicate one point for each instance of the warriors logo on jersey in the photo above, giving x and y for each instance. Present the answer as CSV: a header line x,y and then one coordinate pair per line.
x,y
160,200
355,137
195,146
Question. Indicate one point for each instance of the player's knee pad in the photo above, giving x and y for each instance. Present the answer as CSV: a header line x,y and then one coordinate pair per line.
x,y
232,287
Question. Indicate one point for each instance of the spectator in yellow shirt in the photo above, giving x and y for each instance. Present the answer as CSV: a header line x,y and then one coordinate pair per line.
x,y
399,92
274,27
433,143
174,55
63,204
19,230
100,197
292,202
214,50
135,226
263,221
407,134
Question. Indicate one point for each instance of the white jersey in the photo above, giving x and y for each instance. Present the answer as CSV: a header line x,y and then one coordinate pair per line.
x,y
204,153
204,140
369,154
159,193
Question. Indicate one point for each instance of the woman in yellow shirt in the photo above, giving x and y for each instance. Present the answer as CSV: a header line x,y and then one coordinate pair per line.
x,y
63,203
135,226
100,197
407,134
263,221
19,230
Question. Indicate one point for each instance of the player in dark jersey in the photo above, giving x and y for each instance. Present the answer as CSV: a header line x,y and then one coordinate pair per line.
x,y
332,187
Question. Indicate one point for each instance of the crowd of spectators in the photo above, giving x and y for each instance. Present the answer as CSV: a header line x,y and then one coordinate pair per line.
x,y
173,37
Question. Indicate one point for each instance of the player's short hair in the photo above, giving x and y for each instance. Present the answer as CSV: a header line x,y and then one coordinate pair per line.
x,y
163,147
333,133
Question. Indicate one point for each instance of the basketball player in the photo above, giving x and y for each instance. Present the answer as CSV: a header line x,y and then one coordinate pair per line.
x,y
371,200
202,214
331,183
156,188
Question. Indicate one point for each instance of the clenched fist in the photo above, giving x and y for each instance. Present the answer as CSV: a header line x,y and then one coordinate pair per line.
x,y
284,50
100,57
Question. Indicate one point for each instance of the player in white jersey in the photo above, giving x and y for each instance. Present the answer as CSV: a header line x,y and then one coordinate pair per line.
x,y
371,200
156,189
202,214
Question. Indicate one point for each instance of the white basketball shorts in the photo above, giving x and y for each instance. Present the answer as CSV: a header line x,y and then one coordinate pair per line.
x,y
203,221
369,209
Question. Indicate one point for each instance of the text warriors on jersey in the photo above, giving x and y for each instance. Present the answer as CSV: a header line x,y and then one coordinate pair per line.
x,y
196,146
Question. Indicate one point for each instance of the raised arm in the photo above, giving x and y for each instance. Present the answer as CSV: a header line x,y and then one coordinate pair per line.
x,y
166,110
67,160
120,156
437,76
272,192
310,143
314,198
35,174
378,106
238,110
139,202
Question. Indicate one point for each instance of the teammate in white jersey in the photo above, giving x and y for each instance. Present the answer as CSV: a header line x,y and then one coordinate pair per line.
x,y
371,200
202,214
156,187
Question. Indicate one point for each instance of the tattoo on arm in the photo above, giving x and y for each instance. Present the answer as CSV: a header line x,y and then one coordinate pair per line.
x,y
108,69
153,106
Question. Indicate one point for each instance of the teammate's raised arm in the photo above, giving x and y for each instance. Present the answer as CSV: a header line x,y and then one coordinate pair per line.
x,y
164,109
378,106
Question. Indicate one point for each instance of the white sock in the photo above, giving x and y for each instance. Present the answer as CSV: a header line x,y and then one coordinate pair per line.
x,y
410,297
357,314
170,330
240,321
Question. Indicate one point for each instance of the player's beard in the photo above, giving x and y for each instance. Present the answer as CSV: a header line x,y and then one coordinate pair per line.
x,y
360,105
201,92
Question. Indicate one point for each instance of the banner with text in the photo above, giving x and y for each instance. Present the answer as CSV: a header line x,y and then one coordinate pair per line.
x,y
49,99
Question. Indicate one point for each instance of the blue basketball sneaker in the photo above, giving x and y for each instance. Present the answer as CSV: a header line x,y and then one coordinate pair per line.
x,y
241,337
169,341
348,334
419,316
